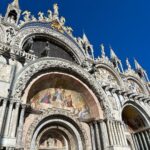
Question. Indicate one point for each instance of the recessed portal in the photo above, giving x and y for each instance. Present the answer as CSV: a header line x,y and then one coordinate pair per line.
x,y
133,118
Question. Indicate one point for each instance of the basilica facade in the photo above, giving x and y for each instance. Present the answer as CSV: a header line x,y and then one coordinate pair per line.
x,y
55,95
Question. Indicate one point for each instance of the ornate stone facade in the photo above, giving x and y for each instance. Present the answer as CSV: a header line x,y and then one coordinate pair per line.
x,y
55,95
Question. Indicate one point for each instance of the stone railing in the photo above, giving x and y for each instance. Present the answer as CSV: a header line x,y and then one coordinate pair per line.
x,y
4,48
15,51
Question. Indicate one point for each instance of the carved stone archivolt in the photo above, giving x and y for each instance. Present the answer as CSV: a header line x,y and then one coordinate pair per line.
x,y
27,32
64,66
135,84
55,112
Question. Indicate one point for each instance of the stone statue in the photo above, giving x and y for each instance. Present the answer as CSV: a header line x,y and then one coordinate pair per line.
x,y
26,16
56,9
33,18
41,16
128,64
56,13
29,45
69,30
62,21
46,51
102,50
50,16
11,19
10,33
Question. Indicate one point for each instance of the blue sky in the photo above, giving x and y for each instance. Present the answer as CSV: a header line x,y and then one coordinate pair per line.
x,y
123,24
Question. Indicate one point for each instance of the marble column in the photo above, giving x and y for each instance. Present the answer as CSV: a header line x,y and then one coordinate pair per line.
x,y
134,141
114,133
144,140
97,136
118,133
121,135
8,118
148,138
140,141
15,121
92,136
20,128
109,132
137,141
104,134
4,104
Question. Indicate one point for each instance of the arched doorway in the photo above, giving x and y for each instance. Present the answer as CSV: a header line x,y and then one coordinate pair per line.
x,y
61,92
53,84
57,132
137,127
133,118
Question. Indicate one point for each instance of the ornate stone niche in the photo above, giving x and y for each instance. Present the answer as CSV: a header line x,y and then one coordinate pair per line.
x,y
105,77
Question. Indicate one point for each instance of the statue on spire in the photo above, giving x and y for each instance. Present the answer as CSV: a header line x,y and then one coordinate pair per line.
x,y
102,50
137,65
128,64
112,53
56,12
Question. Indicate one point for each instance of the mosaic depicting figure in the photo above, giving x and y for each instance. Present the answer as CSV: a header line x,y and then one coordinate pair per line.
x,y
53,141
63,99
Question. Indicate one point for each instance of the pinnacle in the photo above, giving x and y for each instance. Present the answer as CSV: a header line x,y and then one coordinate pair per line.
x,y
15,3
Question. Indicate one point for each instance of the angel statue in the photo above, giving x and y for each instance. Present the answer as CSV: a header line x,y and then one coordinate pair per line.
x,y
69,30
33,18
56,13
50,17
41,16
102,50
26,16
62,21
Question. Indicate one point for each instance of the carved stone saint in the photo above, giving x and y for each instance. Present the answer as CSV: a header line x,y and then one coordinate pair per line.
x,y
26,16
56,12
41,16
46,51
29,45
10,33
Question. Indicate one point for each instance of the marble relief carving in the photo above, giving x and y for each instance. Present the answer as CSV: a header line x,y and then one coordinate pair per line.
x,y
105,77
134,87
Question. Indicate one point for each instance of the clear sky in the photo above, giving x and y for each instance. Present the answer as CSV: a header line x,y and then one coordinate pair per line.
x,y
123,24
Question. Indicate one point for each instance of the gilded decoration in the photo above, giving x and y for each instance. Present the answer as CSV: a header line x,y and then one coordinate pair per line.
x,y
61,98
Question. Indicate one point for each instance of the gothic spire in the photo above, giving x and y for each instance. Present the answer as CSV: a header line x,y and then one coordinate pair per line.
x,y
15,3
112,54
85,39
137,65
